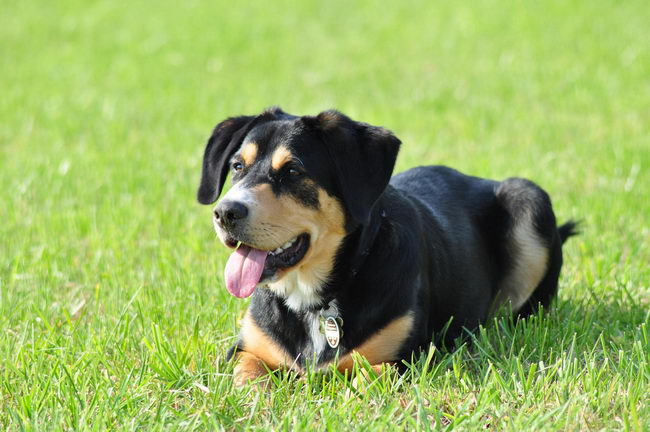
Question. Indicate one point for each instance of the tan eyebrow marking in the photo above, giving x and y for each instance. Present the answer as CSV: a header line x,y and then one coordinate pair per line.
x,y
249,153
281,156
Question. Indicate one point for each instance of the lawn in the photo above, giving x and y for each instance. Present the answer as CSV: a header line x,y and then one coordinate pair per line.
x,y
113,311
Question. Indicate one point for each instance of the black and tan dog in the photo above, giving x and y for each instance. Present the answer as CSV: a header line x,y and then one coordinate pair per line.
x,y
339,257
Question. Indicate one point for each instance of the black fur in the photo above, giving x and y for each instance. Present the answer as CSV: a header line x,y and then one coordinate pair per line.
x,y
363,158
225,140
431,241
569,229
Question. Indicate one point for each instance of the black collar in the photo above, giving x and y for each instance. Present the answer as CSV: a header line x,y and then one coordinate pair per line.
x,y
366,236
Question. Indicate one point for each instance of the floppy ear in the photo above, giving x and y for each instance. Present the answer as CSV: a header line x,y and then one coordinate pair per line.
x,y
224,142
364,157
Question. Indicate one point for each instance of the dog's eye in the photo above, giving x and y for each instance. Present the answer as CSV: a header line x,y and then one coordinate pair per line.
x,y
237,166
294,172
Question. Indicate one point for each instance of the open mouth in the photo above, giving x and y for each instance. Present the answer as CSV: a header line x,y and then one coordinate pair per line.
x,y
248,266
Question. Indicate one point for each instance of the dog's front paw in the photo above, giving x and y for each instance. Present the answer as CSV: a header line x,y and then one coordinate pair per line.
x,y
248,369
366,378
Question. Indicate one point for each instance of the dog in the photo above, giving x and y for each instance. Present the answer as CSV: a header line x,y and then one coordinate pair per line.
x,y
339,258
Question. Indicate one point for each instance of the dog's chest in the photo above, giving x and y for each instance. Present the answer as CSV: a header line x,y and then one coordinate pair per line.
x,y
315,335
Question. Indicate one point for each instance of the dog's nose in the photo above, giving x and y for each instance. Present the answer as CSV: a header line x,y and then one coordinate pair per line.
x,y
228,213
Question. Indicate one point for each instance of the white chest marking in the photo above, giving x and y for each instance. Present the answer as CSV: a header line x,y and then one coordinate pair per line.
x,y
317,338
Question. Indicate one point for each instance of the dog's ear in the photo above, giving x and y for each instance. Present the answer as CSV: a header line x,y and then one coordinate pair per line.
x,y
224,142
363,156
226,139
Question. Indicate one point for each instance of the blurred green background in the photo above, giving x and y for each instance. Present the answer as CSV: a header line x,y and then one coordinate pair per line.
x,y
112,309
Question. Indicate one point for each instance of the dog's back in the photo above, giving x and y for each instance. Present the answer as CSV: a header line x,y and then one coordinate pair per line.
x,y
499,239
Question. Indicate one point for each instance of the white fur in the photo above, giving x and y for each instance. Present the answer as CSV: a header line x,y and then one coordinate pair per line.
x,y
297,293
317,338
298,296
318,341
239,194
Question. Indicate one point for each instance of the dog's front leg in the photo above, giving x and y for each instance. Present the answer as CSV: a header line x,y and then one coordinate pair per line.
x,y
248,368
364,378
375,371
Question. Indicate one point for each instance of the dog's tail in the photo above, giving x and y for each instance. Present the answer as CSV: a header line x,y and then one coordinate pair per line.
x,y
568,229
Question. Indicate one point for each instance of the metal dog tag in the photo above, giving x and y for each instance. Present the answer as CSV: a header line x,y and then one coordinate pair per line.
x,y
332,332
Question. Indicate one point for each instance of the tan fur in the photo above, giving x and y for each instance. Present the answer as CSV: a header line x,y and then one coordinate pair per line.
x,y
248,153
259,344
248,368
365,379
329,119
260,352
281,156
329,226
531,261
383,346
275,220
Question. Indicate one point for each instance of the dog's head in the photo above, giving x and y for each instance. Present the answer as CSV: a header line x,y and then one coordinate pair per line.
x,y
300,185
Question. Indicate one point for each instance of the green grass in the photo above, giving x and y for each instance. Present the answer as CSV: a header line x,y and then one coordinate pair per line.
x,y
113,313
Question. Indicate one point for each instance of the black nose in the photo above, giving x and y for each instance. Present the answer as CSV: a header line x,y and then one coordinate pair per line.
x,y
228,213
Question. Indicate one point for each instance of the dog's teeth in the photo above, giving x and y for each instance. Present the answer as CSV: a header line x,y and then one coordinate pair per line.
x,y
283,247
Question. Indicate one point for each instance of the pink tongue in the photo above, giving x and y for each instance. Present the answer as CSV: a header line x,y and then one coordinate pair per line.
x,y
244,270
